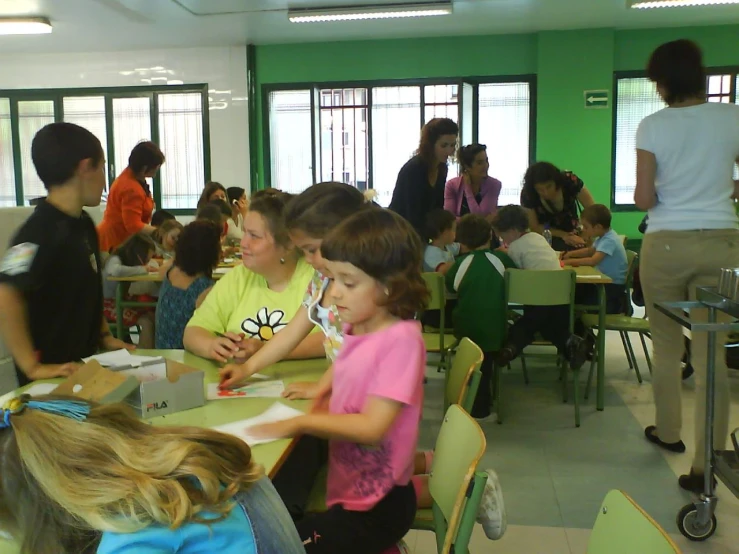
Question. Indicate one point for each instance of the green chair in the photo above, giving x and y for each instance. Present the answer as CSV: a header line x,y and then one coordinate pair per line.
x,y
527,287
438,341
622,526
455,484
463,377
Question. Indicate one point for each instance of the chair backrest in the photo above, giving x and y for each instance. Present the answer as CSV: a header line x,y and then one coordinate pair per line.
x,y
632,259
459,448
623,239
463,378
436,285
533,287
622,526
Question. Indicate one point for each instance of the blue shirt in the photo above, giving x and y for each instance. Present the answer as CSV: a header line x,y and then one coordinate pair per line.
x,y
433,256
174,310
615,264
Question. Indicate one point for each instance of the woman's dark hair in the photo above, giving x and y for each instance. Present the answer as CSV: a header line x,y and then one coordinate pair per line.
x,y
136,249
386,247
272,208
541,172
677,67
473,231
431,133
160,216
145,155
234,194
511,217
210,188
437,222
467,154
58,148
270,192
321,207
199,248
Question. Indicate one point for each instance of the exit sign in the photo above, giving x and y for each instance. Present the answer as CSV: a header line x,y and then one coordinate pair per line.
x,y
596,98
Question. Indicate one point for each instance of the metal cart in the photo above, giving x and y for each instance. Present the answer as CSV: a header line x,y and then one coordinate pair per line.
x,y
697,521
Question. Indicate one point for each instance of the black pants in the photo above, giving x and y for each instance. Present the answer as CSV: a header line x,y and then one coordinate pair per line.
x,y
432,318
294,481
587,295
340,531
483,399
551,322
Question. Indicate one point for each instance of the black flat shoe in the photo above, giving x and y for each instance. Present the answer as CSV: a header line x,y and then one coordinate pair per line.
x,y
677,447
694,482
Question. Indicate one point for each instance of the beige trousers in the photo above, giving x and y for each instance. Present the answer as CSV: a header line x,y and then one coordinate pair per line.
x,y
673,264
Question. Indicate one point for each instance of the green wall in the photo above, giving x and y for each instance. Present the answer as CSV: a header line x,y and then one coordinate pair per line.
x,y
566,63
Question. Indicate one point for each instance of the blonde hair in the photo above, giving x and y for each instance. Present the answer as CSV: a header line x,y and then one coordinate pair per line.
x,y
112,472
165,228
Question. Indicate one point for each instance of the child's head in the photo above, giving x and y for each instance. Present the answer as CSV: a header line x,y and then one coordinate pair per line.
x,y
199,249
374,258
511,222
145,159
596,220
212,191
160,216
217,212
137,250
474,232
441,227
237,199
65,154
67,479
266,243
312,214
168,233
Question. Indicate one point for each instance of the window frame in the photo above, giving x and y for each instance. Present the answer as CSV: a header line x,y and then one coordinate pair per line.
x,y
316,86
733,71
57,95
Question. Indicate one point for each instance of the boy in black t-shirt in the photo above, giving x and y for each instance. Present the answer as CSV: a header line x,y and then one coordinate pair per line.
x,y
51,304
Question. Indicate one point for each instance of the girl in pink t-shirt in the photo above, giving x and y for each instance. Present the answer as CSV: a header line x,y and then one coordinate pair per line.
x,y
376,388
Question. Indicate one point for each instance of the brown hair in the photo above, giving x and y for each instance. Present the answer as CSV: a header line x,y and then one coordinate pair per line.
x,y
384,246
136,248
473,231
511,217
272,208
145,155
597,214
199,248
210,188
166,226
677,67
63,481
431,133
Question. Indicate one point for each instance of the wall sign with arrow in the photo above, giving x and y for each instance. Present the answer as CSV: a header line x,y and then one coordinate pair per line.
x,y
595,99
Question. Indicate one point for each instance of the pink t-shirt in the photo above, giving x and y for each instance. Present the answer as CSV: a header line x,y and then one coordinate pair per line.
x,y
387,364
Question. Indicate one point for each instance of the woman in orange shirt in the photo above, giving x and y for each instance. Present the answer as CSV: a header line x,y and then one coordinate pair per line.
x,y
130,203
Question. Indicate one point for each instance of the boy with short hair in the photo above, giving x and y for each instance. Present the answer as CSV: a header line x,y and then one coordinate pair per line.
x,y
480,314
607,254
51,291
441,228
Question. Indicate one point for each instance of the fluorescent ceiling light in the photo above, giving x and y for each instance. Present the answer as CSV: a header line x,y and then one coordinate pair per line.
x,y
24,26
357,13
644,4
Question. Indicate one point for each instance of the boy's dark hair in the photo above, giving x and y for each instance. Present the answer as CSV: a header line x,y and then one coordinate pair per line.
x,y
273,193
145,155
211,212
58,148
222,206
160,216
234,194
210,188
467,154
384,246
321,207
677,67
199,248
136,249
437,222
511,218
597,214
473,231
272,208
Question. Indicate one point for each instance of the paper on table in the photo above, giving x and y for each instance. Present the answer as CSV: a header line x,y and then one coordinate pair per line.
x,y
276,412
122,357
35,390
221,270
589,277
264,389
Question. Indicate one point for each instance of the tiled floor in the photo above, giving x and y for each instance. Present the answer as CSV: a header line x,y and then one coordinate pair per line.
x,y
554,476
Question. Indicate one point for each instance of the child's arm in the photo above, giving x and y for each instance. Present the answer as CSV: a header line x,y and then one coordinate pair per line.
x,y
581,253
444,267
592,261
114,268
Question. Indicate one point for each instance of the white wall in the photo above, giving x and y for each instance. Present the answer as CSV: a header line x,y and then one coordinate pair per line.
x,y
222,68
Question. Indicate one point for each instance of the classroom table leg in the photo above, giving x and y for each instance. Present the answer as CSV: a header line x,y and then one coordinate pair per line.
x,y
119,310
601,381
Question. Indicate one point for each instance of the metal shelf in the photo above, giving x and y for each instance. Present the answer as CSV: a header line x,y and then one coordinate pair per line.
x,y
707,297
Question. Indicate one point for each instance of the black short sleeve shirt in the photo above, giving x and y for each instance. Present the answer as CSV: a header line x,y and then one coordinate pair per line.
x,y
54,261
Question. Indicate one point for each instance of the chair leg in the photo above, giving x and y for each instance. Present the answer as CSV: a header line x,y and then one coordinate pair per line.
x,y
576,393
563,377
626,349
633,357
590,374
496,383
646,352
525,370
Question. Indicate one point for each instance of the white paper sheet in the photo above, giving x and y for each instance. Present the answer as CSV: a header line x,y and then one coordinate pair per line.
x,y
595,277
155,372
277,412
35,390
222,270
263,389
122,357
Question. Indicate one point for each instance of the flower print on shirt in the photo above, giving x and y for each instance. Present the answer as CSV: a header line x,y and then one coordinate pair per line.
x,y
265,325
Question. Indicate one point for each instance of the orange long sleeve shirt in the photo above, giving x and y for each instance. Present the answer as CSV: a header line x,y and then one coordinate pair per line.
x,y
129,209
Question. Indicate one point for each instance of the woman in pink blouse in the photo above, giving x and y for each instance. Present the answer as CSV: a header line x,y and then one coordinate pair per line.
x,y
474,191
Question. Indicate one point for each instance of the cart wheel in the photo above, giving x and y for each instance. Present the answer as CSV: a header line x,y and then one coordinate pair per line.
x,y
687,523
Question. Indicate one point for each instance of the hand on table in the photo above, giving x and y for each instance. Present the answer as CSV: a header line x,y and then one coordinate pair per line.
x,y
277,430
247,348
300,391
575,240
49,371
225,347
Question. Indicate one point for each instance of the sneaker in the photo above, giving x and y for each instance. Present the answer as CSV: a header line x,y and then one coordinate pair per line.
x,y
491,514
577,351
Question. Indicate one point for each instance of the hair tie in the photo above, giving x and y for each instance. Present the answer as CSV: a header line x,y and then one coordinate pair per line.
x,y
369,195
73,409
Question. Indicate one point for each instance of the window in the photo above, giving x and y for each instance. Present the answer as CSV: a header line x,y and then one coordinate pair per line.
x,y
290,148
172,116
344,138
637,98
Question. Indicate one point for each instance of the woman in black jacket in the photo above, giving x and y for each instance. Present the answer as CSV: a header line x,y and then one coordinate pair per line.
x,y
420,185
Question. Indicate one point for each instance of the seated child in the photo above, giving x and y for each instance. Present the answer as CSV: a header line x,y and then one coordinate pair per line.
x,y
113,484
166,236
480,314
159,217
607,254
187,282
130,259
531,251
219,213
441,227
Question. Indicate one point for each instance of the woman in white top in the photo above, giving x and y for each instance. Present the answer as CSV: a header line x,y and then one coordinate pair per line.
x,y
239,203
685,161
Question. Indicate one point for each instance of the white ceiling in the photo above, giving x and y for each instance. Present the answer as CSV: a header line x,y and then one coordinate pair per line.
x,y
110,25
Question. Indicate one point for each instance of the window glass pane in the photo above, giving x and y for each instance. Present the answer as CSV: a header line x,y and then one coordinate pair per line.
x,y
131,125
637,98
396,116
290,140
7,168
88,112
32,116
504,128
181,140
344,144
441,94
